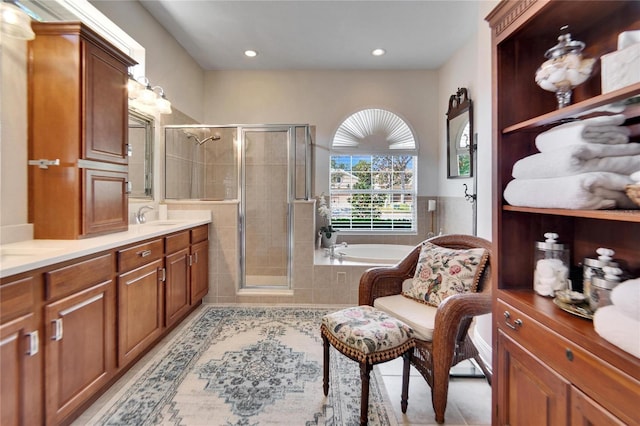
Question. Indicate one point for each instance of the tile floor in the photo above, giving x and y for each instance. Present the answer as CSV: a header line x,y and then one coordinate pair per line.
x,y
469,400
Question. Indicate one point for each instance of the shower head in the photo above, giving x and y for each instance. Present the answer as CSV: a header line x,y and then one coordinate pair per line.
x,y
200,142
210,138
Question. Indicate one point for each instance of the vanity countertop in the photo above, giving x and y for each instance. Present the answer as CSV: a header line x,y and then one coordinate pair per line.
x,y
31,254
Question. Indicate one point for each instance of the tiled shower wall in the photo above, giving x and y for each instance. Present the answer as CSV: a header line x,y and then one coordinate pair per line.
x,y
200,171
325,284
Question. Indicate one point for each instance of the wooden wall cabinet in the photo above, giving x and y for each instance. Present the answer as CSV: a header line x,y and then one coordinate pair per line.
x,y
140,299
78,114
550,366
20,353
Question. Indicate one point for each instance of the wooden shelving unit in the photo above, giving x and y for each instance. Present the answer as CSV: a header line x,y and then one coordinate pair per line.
x,y
551,366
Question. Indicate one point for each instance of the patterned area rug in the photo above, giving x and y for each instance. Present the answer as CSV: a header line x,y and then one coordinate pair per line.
x,y
246,366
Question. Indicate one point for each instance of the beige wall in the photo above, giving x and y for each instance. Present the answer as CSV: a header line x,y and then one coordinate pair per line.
x,y
325,99
167,63
13,141
470,67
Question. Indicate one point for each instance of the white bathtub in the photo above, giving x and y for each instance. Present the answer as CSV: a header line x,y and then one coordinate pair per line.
x,y
374,253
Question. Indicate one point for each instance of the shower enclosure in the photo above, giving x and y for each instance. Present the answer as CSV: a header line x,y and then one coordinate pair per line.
x,y
262,167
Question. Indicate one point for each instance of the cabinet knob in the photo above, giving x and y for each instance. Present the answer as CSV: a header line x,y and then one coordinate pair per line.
x,y
569,354
517,323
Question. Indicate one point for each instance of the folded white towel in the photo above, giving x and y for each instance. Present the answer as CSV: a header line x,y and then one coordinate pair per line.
x,y
618,329
597,190
626,297
574,159
602,129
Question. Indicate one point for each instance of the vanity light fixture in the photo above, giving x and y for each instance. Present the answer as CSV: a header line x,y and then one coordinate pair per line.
x,y
14,22
142,94
250,53
162,103
378,52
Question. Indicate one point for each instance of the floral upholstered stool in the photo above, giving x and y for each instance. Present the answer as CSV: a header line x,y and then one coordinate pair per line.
x,y
370,337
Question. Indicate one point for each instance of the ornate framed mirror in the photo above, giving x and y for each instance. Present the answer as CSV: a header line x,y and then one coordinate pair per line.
x,y
460,135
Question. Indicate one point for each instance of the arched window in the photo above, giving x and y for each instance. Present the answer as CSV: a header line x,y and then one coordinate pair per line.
x,y
373,185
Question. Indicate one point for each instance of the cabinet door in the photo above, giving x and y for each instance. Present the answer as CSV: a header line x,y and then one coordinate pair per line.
x,y
20,355
106,106
199,271
79,348
586,412
140,311
177,286
20,381
528,393
106,202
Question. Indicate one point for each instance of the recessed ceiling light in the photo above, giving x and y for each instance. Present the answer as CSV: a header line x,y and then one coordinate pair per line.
x,y
250,53
378,52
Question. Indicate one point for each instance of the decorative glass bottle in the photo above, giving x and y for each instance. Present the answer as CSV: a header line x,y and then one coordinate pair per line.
x,y
564,69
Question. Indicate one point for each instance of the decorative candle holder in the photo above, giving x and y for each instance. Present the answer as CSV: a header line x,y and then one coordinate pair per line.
x,y
564,69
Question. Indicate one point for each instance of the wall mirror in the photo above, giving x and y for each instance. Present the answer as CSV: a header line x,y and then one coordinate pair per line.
x,y
140,155
459,136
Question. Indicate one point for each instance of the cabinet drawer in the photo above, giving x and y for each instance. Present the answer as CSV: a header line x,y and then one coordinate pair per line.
x,y
177,242
17,298
70,279
610,387
200,233
139,255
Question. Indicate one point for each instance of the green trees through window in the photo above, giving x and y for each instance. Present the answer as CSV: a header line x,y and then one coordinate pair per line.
x,y
373,192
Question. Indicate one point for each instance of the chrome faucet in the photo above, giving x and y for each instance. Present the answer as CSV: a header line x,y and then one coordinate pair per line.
x,y
140,215
332,250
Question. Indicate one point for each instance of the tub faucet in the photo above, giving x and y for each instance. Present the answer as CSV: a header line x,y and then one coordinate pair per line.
x,y
332,250
140,215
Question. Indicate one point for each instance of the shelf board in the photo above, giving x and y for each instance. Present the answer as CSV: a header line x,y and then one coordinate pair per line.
x,y
618,215
575,109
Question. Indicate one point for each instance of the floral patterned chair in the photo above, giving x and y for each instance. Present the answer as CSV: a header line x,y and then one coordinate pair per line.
x,y
450,284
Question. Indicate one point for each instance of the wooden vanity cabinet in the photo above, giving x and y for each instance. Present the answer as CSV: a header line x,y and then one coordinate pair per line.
x,y
79,334
199,260
78,114
140,299
551,367
177,285
20,352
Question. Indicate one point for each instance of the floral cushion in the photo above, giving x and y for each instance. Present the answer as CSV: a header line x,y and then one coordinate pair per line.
x,y
442,272
366,330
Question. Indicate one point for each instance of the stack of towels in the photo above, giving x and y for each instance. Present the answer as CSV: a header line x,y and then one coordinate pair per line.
x,y
619,323
584,164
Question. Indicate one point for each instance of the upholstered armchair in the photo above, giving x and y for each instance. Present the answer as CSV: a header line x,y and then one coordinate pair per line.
x,y
442,332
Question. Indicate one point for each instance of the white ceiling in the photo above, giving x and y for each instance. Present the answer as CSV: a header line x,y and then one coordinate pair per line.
x,y
318,34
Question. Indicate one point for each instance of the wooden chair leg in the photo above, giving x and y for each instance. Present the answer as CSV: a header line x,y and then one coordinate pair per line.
x,y
325,379
439,392
405,380
365,369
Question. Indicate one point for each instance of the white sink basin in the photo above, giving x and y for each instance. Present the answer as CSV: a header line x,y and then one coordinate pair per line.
x,y
164,223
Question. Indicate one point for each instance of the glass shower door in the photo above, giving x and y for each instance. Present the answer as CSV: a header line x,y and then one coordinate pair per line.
x,y
266,207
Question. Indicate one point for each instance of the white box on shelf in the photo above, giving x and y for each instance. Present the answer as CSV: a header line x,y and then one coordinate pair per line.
x,y
620,68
